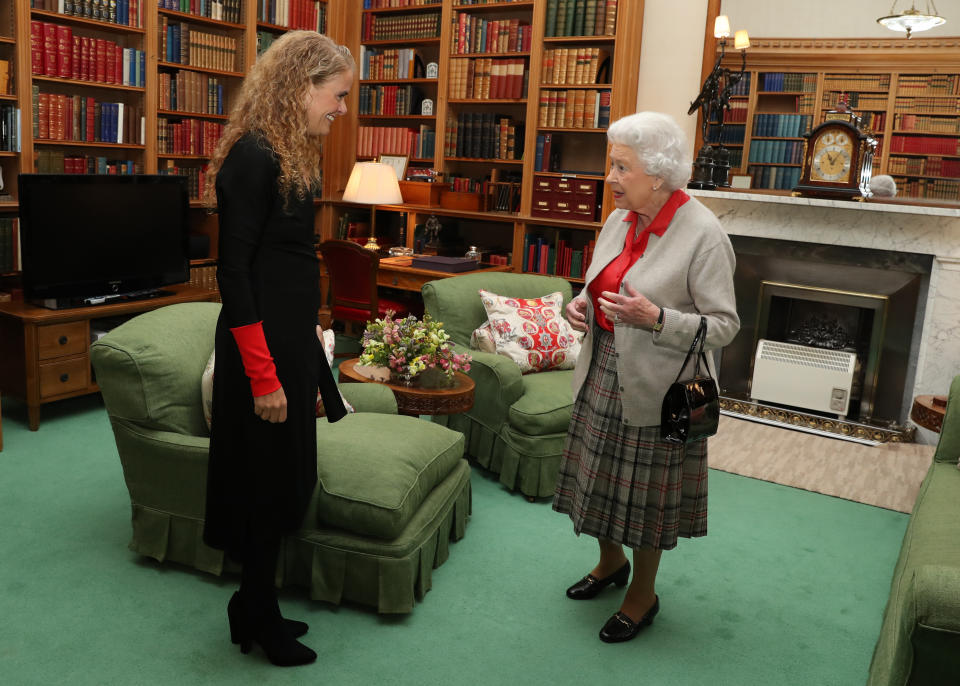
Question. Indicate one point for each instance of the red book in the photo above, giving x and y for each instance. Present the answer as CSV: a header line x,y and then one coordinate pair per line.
x,y
98,54
85,58
64,51
36,47
75,58
91,119
49,49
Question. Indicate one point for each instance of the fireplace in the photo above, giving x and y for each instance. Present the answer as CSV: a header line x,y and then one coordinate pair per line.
x,y
866,303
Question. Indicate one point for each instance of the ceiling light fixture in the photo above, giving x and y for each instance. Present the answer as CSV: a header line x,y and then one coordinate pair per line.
x,y
912,19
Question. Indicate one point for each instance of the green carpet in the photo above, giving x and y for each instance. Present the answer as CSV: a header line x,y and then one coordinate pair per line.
x,y
789,588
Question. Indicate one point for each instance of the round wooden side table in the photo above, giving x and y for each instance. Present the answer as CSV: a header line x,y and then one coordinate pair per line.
x,y
415,401
928,411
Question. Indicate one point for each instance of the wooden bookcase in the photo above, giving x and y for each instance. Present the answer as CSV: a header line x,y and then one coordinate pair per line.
x,y
472,84
909,99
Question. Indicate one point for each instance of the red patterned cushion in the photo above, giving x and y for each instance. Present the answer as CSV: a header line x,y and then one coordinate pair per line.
x,y
531,331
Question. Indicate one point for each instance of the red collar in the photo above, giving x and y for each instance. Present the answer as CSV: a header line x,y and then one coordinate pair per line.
x,y
660,223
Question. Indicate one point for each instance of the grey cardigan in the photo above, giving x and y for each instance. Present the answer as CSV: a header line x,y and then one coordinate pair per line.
x,y
688,272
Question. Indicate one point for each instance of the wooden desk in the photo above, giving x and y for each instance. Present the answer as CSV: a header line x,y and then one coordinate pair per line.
x,y
415,401
928,411
394,273
45,354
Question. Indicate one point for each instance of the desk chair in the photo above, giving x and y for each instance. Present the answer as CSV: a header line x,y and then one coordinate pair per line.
x,y
353,284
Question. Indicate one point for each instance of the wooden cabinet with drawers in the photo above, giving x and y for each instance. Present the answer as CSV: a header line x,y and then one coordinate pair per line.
x,y
45,354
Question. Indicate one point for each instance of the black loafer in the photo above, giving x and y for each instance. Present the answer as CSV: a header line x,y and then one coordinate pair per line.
x,y
589,586
620,627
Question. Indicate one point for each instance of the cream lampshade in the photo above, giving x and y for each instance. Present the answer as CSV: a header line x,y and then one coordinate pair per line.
x,y
721,27
373,183
741,41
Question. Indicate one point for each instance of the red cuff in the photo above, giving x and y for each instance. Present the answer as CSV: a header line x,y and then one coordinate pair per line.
x,y
257,361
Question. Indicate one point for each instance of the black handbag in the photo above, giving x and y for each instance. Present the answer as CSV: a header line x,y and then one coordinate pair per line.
x,y
691,408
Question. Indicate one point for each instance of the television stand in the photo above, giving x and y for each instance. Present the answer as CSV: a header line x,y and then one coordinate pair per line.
x,y
91,301
45,353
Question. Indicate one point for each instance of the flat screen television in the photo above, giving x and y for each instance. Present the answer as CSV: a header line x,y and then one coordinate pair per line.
x,y
92,238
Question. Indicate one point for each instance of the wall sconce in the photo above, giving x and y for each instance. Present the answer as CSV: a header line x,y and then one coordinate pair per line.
x,y
712,166
373,183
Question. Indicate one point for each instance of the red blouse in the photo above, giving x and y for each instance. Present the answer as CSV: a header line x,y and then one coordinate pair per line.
x,y
611,277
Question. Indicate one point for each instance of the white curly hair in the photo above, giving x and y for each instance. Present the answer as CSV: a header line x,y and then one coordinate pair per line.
x,y
659,143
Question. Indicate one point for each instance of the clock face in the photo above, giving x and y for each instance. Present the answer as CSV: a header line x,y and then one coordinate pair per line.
x,y
832,156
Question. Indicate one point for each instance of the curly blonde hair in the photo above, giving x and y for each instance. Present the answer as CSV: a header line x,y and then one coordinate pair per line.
x,y
272,104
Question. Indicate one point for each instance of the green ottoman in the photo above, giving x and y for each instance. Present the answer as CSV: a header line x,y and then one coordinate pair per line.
x,y
392,490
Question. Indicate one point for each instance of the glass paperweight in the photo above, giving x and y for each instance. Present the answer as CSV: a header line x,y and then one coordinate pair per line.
x,y
473,253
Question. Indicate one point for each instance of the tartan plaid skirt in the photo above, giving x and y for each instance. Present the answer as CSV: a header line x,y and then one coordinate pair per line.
x,y
622,483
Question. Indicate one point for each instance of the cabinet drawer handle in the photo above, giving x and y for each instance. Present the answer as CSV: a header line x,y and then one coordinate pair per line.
x,y
62,340
64,378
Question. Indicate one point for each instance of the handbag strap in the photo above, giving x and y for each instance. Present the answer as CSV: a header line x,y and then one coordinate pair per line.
x,y
698,340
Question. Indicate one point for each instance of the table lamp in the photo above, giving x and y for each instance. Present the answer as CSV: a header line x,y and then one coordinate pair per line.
x,y
373,183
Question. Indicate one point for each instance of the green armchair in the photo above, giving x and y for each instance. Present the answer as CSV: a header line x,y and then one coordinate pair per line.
x,y
518,422
919,643
382,514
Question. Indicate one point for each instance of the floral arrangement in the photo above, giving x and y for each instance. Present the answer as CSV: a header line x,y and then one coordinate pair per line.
x,y
410,346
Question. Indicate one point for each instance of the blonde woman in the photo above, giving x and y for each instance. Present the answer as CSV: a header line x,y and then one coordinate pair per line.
x,y
269,363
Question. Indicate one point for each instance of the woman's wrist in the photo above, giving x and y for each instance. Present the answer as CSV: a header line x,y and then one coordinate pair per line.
x,y
658,326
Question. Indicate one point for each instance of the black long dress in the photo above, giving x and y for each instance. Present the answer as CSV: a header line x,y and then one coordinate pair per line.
x,y
268,272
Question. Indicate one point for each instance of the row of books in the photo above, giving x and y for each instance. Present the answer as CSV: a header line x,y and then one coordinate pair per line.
x,y
581,18
373,141
855,82
780,81
9,127
265,40
308,15
576,66
936,189
52,161
474,33
181,44
559,258
873,121
777,152
742,87
782,125
929,145
932,84
730,134
56,51
574,109
196,177
221,10
400,26
546,156
736,157
929,105
489,78
389,64
389,100
385,4
187,136
919,122
923,166
774,178
855,100
736,113
123,12
484,135
190,91
60,117
9,245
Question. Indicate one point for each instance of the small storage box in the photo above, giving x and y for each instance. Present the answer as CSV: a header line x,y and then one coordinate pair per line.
x,y
421,192
444,264
455,200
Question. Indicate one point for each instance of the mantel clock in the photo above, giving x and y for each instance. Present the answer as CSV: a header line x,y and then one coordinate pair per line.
x,y
838,161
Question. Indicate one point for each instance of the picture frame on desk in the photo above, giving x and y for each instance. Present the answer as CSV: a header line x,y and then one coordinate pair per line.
x,y
741,181
398,162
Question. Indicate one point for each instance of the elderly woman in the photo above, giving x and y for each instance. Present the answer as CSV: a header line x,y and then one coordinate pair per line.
x,y
661,261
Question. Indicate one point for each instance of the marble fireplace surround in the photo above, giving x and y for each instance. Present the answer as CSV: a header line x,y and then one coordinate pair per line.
x,y
882,226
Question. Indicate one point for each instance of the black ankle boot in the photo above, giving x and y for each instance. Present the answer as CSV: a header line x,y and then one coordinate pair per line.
x,y
238,629
260,622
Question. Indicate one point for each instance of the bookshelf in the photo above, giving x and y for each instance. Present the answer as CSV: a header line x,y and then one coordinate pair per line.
x,y
499,69
909,102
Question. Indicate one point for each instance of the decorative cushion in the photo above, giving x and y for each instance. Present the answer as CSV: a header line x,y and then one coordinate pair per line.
x,y
206,381
376,491
530,331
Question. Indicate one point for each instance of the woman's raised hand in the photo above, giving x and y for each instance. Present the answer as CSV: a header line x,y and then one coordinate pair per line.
x,y
577,314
